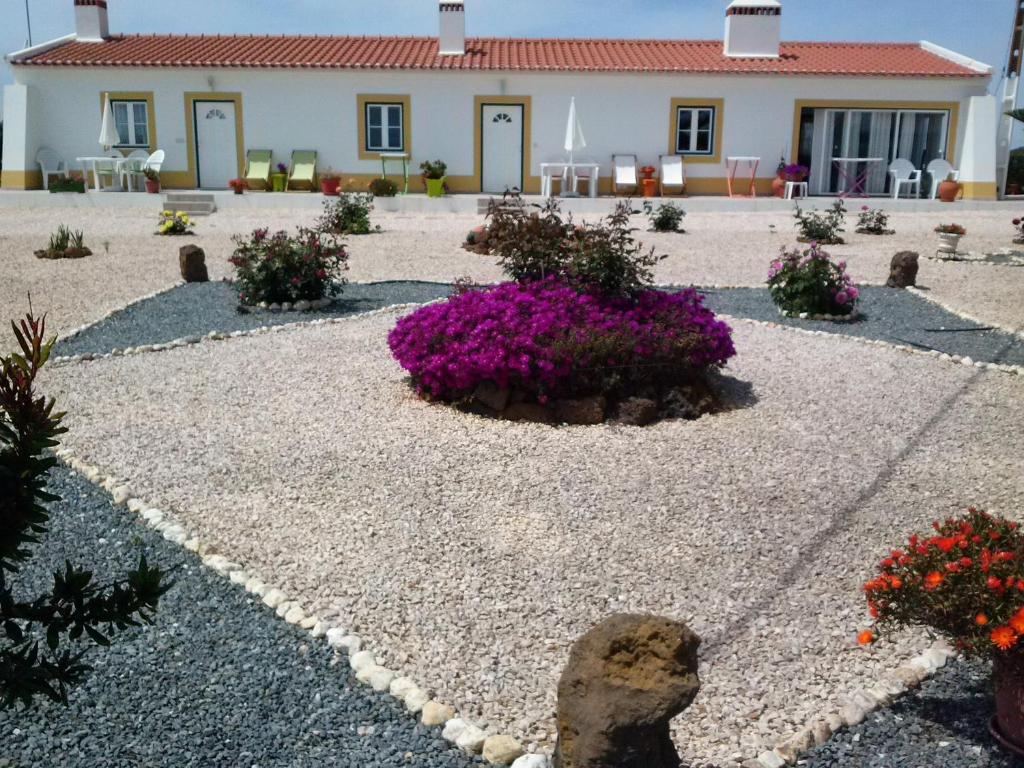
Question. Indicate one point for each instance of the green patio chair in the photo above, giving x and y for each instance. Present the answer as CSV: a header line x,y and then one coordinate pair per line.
x,y
257,168
303,173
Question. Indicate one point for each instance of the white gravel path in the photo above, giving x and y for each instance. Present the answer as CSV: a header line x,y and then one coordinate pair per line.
x,y
472,552
721,248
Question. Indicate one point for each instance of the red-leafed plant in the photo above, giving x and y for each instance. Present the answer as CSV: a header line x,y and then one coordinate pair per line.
x,y
965,582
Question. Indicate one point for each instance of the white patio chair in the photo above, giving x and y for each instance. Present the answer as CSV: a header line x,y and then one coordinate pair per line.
x,y
549,173
154,161
51,164
625,173
585,175
904,174
673,173
940,170
108,169
132,167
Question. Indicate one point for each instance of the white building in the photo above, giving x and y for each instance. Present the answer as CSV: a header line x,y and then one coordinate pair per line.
x,y
494,109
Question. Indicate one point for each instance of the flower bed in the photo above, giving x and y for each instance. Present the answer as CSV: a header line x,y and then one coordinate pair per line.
x,y
538,350
809,284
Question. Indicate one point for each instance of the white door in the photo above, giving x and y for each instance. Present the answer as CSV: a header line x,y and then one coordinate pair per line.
x,y
502,147
216,147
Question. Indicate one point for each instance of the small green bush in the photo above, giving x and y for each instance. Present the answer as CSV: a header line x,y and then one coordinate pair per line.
x,y
666,218
348,214
383,188
873,222
821,226
434,169
67,185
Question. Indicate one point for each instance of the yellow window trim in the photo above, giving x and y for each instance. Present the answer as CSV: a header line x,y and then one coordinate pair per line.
x,y
673,129
191,97
362,99
531,184
953,107
146,96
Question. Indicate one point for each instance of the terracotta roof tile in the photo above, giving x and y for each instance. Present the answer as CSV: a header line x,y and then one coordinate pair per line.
x,y
579,55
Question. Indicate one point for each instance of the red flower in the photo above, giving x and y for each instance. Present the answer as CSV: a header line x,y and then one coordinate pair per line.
x,y
1017,622
946,544
981,619
933,580
1004,638
994,583
867,637
966,562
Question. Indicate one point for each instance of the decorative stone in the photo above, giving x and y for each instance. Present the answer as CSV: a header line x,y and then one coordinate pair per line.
x,y
435,713
309,623
275,307
286,306
192,262
796,745
301,306
771,760
239,577
454,728
637,412
531,761
501,750
273,598
490,394
851,714
283,608
588,410
471,739
295,615
377,677
625,680
121,494
903,270
400,686
415,700
319,629
334,636
820,732
361,660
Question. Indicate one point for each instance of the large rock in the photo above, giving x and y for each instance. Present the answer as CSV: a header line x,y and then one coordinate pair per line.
x,y
637,412
192,261
625,680
903,270
588,410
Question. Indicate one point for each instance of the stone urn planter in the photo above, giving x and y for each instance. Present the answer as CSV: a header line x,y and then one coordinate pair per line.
x,y
948,243
948,190
1007,725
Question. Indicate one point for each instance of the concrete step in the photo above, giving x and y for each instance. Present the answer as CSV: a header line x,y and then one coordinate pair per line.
x,y
192,203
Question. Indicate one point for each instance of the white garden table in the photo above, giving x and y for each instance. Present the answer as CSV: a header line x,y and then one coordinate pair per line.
x,y
109,166
733,164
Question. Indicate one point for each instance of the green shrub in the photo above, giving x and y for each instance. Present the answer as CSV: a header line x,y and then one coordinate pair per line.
x,y
873,222
348,214
434,169
822,226
666,218
537,244
32,630
277,268
67,185
383,188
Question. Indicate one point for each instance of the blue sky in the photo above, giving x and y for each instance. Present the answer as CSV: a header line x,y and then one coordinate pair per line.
x,y
978,28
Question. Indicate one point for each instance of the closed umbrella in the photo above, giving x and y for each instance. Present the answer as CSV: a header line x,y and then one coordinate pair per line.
x,y
108,130
574,138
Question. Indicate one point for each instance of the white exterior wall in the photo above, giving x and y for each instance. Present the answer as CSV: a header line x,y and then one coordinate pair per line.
x,y
309,109
19,130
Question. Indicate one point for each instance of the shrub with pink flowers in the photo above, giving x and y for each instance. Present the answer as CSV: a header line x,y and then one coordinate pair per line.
x,y
278,267
809,281
545,339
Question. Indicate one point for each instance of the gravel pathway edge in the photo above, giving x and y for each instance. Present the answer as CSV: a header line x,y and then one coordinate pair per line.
x,y
497,749
943,305
152,295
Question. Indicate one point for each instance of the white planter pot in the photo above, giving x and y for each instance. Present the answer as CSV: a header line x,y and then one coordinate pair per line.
x,y
948,242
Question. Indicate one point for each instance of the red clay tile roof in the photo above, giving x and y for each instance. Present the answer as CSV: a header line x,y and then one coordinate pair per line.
x,y
582,55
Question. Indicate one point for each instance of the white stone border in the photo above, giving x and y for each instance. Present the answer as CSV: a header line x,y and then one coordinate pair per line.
x,y
497,749
847,318
75,331
302,305
223,335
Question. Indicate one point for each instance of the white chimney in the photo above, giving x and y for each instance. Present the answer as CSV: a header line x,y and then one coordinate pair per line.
x,y
453,28
753,29
91,21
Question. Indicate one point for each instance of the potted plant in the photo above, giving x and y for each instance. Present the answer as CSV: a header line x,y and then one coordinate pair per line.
x,y
949,189
434,175
279,179
649,182
330,183
964,581
949,237
238,185
152,180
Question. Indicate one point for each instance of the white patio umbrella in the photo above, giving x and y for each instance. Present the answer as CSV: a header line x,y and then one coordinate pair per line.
x,y
574,139
108,130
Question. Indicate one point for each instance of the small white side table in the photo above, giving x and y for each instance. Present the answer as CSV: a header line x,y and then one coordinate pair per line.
x,y
796,189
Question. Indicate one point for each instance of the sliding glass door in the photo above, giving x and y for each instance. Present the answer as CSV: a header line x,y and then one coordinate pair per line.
x,y
844,147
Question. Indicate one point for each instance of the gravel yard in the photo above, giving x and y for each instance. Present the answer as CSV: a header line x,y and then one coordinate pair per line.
x,y
217,682
719,249
471,553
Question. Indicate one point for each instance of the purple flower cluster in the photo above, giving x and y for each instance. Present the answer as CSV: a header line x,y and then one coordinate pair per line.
x,y
543,337
809,281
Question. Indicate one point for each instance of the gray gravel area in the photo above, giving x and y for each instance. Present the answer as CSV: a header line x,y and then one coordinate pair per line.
x,y
944,724
889,314
195,309
217,681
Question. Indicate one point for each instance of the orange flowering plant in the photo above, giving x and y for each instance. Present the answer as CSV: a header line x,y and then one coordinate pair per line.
x,y
966,582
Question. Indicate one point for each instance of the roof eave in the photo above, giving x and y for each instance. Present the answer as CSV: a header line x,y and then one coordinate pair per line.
x,y
35,50
957,58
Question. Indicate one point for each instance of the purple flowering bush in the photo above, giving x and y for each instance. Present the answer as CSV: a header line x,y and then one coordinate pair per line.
x,y
279,267
809,281
547,340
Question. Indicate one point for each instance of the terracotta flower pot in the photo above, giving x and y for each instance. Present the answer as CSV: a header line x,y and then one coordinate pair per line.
x,y
948,190
650,187
779,185
152,187
1008,724
330,187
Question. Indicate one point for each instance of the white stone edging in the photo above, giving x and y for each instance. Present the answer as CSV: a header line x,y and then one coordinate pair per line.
x,y
847,318
224,335
75,331
417,701
963,315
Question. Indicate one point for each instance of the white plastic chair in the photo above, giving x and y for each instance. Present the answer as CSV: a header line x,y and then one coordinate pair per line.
x,y
549,173
132,167
586,175
625,173
673,173
904,174
940,170
108,169
51,164
156,160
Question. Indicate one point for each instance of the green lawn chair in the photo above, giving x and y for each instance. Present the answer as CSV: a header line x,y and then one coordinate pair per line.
x,y
257,168
303,175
